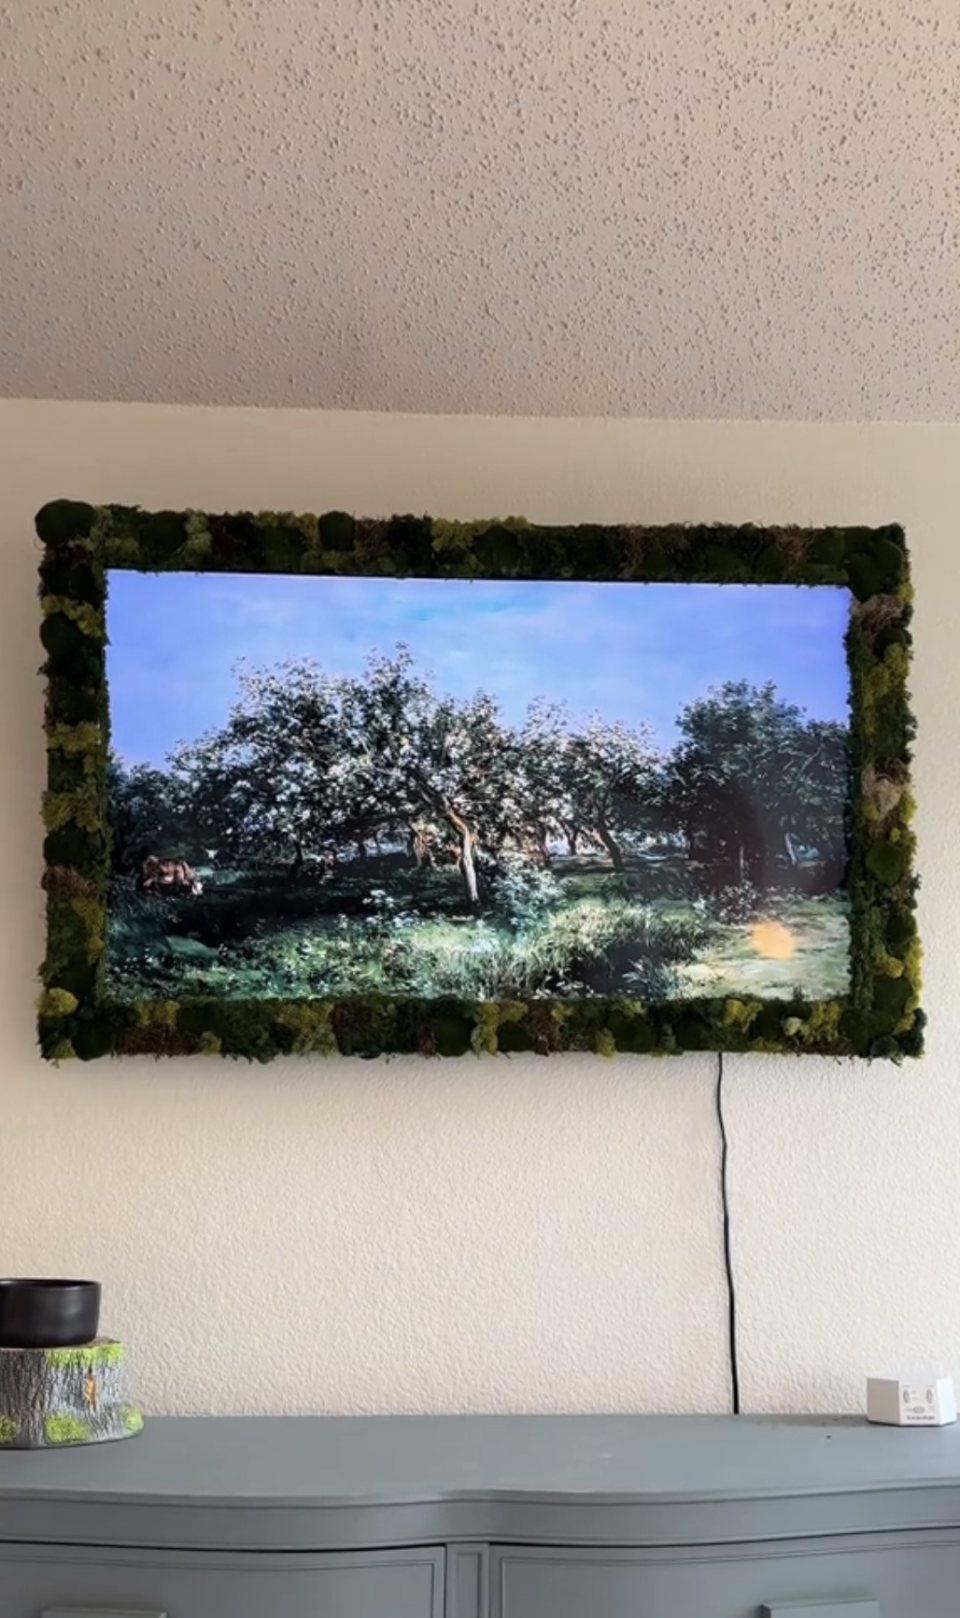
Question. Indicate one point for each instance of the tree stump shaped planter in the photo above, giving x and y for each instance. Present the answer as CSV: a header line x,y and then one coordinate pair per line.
x,y
54,1397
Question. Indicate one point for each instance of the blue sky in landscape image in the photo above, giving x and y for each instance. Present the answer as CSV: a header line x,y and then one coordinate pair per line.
x,y
630,652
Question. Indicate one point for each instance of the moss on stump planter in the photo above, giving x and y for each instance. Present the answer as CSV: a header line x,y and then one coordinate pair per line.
x,y
51,1398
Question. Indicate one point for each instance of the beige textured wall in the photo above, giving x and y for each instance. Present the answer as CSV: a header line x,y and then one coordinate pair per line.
x,y
521,1234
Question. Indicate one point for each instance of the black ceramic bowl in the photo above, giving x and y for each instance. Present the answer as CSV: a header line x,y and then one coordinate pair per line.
x,y
48,1314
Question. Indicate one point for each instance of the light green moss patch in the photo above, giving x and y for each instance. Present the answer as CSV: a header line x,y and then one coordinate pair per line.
x,y
87,1357
57,1003
88,619
66,1430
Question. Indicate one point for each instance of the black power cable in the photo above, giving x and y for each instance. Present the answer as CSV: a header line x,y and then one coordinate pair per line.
x,y
727,1253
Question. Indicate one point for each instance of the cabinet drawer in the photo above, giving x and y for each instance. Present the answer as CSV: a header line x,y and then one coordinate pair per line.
x,y
38,1580
851,1578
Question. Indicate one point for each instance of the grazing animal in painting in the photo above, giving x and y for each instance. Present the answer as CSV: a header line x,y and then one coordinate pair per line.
x,y
169,876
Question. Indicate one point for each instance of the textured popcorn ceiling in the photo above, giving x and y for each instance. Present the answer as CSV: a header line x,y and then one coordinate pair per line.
x,y
564,207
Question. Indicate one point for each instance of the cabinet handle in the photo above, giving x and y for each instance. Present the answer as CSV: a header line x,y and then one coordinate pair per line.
x,y
838,1607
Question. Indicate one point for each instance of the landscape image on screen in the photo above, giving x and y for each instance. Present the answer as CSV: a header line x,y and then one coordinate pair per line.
x,y
488,790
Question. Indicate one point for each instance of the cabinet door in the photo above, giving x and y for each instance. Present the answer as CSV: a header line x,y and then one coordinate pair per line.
x,y
37,1582
898,1576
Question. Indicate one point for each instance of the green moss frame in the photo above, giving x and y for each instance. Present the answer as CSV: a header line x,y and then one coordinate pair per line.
x,y
879,1017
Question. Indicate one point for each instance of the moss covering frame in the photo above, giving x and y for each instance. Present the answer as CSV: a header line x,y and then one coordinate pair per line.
x,y
880,1016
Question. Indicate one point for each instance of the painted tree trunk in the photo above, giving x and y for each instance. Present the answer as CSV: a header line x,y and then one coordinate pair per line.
x,y
53,1397
572,834
418,845
468,869
465,861
610,844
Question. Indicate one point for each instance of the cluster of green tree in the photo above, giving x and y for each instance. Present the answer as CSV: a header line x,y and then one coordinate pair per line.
x,y
313,766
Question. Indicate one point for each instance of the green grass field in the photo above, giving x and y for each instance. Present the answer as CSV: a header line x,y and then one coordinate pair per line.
x,y
581,931
734,961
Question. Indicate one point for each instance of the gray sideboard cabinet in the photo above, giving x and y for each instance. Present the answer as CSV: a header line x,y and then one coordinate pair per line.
x,y
487,1517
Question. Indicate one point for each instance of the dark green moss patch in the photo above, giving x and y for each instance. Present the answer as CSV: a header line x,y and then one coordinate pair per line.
x,y
513,1036
64,522
888,862
162,535
451,1033
337,531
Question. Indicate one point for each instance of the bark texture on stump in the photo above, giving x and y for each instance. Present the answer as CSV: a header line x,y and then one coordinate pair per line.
x,y
51,1397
